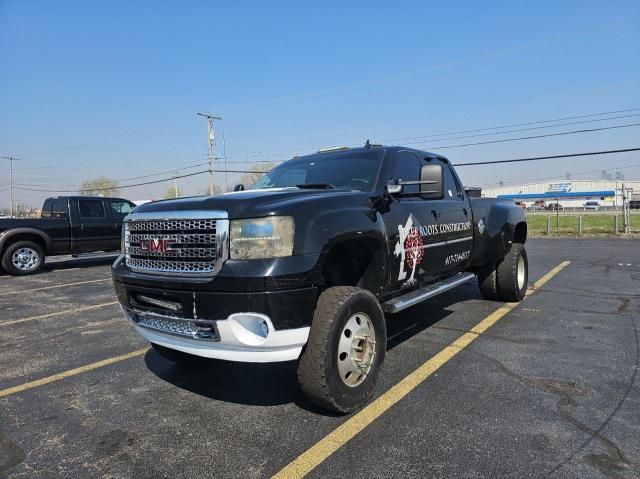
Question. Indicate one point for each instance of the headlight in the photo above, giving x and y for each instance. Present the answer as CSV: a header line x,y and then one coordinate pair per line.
x,y
261,237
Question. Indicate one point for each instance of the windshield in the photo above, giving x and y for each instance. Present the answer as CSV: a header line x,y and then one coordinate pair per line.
x,y
351,172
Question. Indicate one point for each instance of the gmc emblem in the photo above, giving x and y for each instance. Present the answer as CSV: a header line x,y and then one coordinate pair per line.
x,y
155,245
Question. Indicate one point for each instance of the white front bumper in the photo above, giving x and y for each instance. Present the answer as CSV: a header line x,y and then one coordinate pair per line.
x,y
239,340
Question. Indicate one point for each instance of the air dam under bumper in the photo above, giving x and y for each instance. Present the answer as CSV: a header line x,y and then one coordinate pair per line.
x,y
243,337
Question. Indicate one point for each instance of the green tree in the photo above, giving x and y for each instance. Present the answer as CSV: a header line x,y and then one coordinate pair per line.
x,y
101,186
255,172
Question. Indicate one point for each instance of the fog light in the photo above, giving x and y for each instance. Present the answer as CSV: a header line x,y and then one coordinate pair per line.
x,y
251,329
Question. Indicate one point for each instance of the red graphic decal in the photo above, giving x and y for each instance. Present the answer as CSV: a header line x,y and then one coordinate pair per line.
x,y
414,247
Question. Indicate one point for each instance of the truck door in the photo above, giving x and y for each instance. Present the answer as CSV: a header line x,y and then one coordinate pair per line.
x,y
416,251
119,209
59,231
457,224
94,230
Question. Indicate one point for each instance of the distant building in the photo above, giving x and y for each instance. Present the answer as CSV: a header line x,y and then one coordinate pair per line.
x,y
569,193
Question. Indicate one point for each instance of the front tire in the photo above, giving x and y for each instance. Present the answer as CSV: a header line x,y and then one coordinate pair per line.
x,y
513,274
345,351
22,258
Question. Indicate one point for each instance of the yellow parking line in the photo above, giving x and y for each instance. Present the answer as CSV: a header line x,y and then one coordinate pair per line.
x,y
72,372
320,451
20,291
59,313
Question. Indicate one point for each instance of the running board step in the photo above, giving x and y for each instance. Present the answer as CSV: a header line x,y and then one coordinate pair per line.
x,y
405,301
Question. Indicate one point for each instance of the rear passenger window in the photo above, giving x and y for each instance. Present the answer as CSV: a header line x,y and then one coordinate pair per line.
x,y
59,208
46,208
407,168
91,208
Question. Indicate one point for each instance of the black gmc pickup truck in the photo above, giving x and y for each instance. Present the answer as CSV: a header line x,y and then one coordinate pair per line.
x,y
305,265
67,225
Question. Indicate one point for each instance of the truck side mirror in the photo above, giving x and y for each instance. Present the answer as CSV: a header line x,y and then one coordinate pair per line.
x,y
239,187
431,187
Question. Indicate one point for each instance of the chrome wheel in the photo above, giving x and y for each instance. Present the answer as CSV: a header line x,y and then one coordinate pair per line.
x,y
25,259
356,349
522,272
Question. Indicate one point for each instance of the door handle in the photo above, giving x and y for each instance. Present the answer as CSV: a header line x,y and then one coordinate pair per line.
x,y
464,210
435,214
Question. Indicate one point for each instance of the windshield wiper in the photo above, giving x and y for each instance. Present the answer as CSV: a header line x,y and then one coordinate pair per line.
x,y
316,186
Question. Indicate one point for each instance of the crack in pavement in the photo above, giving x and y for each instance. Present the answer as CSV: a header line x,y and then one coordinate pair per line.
x,y
610,463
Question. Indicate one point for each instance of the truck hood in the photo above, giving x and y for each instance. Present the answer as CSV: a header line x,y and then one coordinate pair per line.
x,y
255,203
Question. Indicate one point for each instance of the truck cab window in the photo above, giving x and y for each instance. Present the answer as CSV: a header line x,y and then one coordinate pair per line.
x,y
407,168
120,208
46,208
452,190
91,208
59,208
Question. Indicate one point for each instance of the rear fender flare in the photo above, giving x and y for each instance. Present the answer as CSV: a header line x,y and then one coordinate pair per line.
x,y
7,236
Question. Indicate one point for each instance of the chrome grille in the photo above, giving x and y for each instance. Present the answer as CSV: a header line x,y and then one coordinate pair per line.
x,y
195,224
179,327
174,245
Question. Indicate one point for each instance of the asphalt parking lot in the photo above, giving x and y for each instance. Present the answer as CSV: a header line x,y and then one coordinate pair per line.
x,y
550,389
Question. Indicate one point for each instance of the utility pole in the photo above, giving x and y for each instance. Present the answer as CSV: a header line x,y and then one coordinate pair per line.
x,y
11,160
175,185
211,139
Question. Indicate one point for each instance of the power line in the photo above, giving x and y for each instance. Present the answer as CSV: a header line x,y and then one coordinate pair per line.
x,y
123,186
77,165
120,179
538,158
262,153
506,140
297,150
519,124
93,145
262,172
525,129
490,134
515,160
146,182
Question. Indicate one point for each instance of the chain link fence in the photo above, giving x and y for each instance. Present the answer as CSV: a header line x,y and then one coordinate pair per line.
x,y
577,224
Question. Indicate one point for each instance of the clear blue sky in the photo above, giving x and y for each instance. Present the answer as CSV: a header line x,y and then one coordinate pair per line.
x,y
112,88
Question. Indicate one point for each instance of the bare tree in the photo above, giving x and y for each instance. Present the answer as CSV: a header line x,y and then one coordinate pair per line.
x,y
101,186
255,172
172,192
205,191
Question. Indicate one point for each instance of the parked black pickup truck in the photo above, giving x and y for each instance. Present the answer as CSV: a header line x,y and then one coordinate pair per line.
x,y
305,265
68,225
